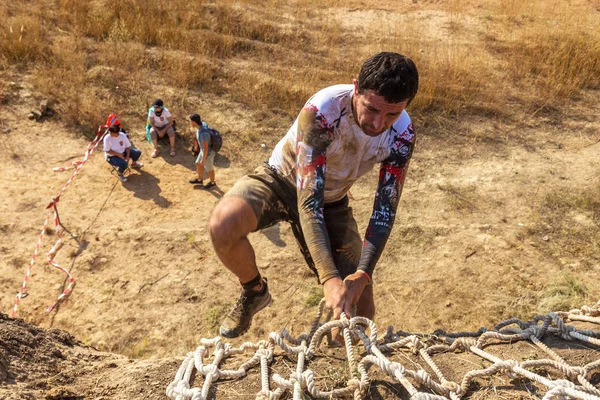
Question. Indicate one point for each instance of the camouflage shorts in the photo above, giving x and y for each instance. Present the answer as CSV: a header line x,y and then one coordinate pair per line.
x,y
273,200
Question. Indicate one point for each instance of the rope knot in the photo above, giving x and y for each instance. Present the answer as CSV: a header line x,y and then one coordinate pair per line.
x,y
211,369
267,353
416,344
507,365
532,330
266,395
297,379
465,343
227,348
353,384
452,387
345,321
390,335
564,383
262,395
393,366
565,332
574,372
182,386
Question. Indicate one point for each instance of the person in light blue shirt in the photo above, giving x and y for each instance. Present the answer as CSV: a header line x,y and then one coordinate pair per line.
x,y
206,155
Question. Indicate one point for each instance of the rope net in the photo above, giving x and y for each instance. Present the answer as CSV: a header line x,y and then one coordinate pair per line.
x,y
562,381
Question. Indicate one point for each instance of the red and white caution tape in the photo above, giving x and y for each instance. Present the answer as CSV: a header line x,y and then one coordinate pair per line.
x,y
58,227
35,253
50,256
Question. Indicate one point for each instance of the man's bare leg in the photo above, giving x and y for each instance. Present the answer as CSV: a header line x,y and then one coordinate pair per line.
x,y
172,142
231,222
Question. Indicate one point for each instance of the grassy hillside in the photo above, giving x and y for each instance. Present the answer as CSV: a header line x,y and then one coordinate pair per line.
x,y
499,59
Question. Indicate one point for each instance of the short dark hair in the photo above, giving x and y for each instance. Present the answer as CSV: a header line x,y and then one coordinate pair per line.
x,y
391,75
158,103
196,118
114,128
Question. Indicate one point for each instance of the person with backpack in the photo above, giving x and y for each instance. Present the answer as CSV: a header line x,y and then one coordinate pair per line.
x,y
206,145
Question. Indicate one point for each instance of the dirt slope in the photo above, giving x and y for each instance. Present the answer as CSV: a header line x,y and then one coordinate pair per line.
x,y
36,363
52,364
471,245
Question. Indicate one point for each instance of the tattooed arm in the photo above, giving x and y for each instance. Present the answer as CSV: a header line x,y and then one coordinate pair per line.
x,y
314,135
391,181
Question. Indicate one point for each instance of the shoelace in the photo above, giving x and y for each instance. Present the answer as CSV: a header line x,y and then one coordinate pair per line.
x,y
238,309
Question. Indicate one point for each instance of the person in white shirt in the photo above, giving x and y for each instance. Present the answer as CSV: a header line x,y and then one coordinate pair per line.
x,y
118,151
159,124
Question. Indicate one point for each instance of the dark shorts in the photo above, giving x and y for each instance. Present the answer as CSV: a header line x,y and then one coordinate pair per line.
x,y
273,200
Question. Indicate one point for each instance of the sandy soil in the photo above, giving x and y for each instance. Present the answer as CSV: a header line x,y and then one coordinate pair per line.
x,y
149,285
147,275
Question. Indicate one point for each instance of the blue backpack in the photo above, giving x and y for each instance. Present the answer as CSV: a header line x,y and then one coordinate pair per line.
x,y
216,141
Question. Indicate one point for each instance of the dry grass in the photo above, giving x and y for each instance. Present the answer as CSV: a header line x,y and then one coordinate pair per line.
x,y
566,231
568,223
23,40
118,55
463,200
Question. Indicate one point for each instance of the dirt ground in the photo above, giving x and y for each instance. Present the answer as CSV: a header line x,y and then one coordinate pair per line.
x,y
149,285
472,245
148,282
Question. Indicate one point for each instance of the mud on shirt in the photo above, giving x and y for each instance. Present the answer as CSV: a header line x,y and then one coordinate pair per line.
x,y
325,152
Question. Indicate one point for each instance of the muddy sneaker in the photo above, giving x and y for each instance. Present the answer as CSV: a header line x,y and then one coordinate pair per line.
x,y
249,303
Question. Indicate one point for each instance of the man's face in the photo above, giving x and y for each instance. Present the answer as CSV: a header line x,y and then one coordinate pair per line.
x,y
372,113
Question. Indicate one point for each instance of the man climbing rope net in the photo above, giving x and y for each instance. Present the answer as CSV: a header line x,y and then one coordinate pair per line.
x,y
339,135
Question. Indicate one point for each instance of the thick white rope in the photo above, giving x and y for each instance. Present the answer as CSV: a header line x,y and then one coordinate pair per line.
x,y
418,383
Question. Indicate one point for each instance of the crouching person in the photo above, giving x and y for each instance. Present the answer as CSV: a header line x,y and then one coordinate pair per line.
x,y
159,124
118,151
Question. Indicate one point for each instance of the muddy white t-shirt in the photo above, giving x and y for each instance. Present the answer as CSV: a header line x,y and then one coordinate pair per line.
x,y
324,153
351,153
117,144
